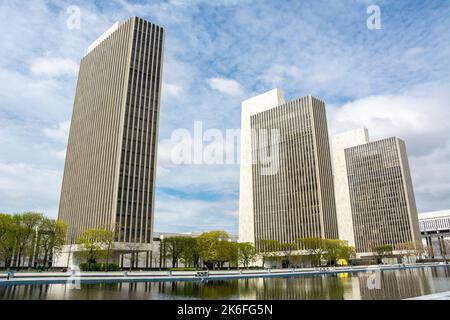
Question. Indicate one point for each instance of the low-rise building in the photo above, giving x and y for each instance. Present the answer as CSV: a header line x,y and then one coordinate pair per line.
x,y
435,231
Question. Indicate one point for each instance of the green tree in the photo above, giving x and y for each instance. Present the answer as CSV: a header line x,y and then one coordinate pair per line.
x,y
287,249
246,254
176,248
208,247
189,253
334,249
94,244
21,235
268,249
227,252
7,238
382,251
316,248
108,243
346,252
52,235
31,221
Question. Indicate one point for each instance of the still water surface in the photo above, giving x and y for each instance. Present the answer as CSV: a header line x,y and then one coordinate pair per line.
x,y
392,284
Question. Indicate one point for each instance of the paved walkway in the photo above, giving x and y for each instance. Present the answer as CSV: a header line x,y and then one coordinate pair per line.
x,y
435,296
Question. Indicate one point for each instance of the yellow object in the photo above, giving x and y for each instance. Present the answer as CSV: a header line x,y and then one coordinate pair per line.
x,y
342,262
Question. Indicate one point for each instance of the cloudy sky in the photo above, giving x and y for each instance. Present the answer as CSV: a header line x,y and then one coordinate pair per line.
x,y
394,81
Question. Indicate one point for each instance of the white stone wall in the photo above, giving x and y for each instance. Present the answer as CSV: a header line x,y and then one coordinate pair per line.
x,y
343,206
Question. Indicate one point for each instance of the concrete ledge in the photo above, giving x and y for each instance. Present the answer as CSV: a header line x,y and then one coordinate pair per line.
x,y
104,277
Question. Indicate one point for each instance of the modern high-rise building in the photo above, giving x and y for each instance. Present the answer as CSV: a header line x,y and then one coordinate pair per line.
x,y
109,174
343,206
286,187
381,195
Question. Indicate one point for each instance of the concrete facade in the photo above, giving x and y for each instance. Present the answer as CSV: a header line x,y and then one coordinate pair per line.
x,y
343,206
295,198
251,107
381,193
110,167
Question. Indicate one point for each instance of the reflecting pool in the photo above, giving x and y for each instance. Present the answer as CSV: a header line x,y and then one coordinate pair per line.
x,y
389,284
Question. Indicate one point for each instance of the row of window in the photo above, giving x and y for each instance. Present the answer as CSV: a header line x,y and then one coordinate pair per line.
x,y
436,224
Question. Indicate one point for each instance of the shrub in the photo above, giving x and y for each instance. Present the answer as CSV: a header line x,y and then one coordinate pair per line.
x,y
113,267
98,267
183,269
84,266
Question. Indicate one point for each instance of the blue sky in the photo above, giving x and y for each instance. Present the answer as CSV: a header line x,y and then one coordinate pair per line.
x,y
394,81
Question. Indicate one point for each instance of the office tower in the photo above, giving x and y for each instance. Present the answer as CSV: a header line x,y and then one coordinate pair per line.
x,y
381,195
286,187
343,207
109,174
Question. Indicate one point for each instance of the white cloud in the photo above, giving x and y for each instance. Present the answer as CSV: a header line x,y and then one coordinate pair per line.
x,y
278,74
171,91
25,187
61,154
227,86
419,116
194,215
320,48
59,133
53,67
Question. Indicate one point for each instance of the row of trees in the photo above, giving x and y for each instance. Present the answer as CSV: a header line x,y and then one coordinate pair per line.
x,y
412,249
317,249
214,249
30,239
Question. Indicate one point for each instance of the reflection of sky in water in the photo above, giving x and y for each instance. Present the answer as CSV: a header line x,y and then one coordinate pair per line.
x,y
396,284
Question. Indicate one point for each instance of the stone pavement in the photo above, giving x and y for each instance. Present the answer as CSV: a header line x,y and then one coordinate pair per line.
x,y
435,296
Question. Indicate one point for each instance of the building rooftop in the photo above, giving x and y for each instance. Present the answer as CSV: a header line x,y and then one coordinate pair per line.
x,y
103,37
434,214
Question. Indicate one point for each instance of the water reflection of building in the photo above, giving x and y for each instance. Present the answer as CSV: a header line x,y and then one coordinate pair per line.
x,y
435,230
398,284
393,285
301,288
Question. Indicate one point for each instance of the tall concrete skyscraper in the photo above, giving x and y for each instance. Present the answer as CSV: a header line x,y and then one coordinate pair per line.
x,y
109,174
343,206
286,187
383,206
